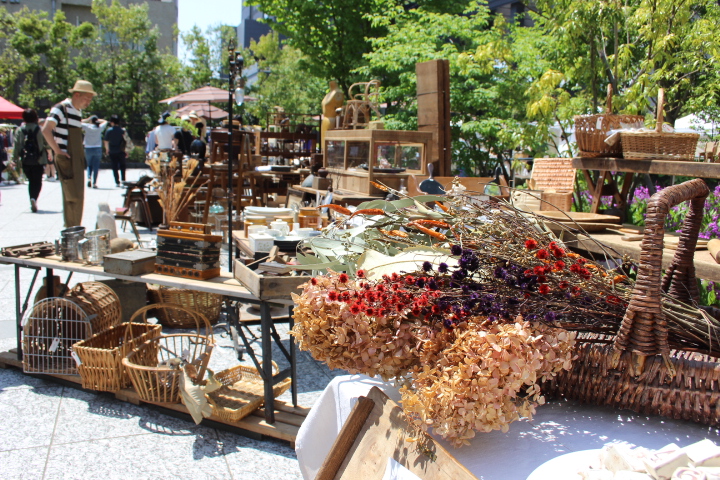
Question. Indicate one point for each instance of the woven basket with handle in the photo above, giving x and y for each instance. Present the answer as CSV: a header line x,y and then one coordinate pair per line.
x,y
101,355
208,304
659,145
150,365
592,130
636,369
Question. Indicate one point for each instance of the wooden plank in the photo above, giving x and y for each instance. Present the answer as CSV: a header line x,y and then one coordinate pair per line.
x,y
660,167
384,435
288,419
428,77
705,266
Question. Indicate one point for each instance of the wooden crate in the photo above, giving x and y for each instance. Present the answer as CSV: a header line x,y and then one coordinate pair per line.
x,y
267,287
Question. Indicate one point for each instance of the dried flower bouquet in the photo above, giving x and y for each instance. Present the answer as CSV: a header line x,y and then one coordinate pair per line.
x,y
469,305
175,195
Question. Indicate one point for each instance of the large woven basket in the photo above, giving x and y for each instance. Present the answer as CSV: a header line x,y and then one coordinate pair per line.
x,y
208,304
153,376
99,302
636,369
101,355
659,145
242,392
592,130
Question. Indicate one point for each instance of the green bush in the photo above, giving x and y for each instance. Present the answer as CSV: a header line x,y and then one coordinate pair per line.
x,y
137,155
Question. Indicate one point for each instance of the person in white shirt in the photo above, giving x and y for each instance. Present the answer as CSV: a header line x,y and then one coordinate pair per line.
x,y
164,133
93,128
63,132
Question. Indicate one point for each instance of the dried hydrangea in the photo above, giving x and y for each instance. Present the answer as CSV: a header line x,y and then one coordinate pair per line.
x,y
483,376
352,333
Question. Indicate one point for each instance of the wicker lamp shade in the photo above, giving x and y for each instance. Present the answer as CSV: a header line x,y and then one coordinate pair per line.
x,y
99,302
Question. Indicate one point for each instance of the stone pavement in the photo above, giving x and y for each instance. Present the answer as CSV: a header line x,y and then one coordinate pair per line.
x,y
49,431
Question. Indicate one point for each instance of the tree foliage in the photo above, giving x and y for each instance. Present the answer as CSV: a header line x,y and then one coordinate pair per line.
x,y
282,81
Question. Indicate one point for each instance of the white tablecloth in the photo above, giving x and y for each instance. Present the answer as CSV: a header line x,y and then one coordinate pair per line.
x,y
558,428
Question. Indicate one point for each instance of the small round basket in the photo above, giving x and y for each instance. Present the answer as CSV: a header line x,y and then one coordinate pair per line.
x,y
99,302
151,365
208,304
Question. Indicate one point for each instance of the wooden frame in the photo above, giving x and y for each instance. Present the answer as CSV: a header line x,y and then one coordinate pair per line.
x,y
377,431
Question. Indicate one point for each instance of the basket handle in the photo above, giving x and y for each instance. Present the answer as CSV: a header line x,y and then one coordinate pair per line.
x,y
608,99
660,105
197,316
644,329
139,313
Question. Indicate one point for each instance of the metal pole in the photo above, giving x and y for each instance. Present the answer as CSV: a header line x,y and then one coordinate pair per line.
x,y
230,156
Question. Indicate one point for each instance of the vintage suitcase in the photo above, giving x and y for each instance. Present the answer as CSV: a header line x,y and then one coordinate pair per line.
x,y
133,262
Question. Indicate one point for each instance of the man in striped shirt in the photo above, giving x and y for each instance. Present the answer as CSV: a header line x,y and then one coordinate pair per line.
x,y
63,132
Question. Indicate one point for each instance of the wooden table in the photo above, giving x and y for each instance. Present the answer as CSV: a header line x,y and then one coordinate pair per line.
x,y
606,166
341,197
705,267
225,285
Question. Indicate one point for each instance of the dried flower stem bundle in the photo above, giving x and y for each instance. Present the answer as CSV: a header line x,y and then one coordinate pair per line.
x,y
175,195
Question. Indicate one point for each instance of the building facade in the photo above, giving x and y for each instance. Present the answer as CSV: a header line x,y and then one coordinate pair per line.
x,y
163,13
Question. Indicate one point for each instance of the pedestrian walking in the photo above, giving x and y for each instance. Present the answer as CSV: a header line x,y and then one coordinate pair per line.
x,y
93,128
63,132
30,153
115,141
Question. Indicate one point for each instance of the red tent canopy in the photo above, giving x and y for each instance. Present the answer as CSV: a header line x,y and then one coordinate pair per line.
x,y
9,110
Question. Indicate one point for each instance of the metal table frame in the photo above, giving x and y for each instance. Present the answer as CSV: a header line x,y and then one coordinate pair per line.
x,y
225,285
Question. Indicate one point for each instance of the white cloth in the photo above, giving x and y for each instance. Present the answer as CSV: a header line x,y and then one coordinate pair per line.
x,y
164,136
558,427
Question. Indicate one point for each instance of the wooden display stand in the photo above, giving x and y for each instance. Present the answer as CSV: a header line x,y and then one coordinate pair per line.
x,y
346,150
374,433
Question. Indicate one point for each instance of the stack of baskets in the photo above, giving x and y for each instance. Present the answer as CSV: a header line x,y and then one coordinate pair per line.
x,y
636,369
207,304
592,130
659,145
153,366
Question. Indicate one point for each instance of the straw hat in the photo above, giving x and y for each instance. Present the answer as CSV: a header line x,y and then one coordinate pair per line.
x,y
83,86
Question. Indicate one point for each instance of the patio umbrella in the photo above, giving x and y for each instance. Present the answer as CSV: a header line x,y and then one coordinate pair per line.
x,y
200,95
203,110
9,110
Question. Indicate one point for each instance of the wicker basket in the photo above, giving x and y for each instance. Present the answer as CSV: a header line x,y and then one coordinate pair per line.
x,y
658,145
101,355
242,392
99,302
208,304
147,365
636,369
592,130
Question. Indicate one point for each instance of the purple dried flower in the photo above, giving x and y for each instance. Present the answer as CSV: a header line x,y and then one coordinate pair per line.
x,y
456,250
443,268
427,266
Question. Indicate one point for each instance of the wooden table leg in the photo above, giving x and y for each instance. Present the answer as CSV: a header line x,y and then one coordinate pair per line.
x,y
597,191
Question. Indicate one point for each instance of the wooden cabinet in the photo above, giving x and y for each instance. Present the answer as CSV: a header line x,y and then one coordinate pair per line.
x,y
354,158
280,148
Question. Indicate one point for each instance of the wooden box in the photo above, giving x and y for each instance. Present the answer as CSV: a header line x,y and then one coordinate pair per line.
x,y
267,287
133,262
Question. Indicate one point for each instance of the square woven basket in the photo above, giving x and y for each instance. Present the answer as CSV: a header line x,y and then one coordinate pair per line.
x,y
242,392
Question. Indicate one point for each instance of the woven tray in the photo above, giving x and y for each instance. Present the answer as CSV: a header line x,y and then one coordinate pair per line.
x,y
636,369
592,130
658,145
242,392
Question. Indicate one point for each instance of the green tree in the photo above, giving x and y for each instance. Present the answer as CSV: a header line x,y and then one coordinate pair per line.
x,y
282,80
333,36
199,68
126,68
